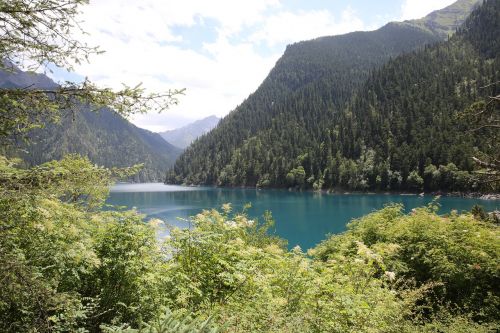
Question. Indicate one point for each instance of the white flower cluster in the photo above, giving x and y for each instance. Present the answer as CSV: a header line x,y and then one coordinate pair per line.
x,y
391,276
231,224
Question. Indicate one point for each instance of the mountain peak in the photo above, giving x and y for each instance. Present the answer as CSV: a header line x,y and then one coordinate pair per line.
x,y
182,137
13,78
444,22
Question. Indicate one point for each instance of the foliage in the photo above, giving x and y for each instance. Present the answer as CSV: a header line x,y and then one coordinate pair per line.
x,y
26,108
66,265
168,323
41,32
41,120
57,248
73,180
227,265
457,252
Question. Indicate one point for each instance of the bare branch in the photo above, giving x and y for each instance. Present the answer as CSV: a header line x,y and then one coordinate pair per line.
x,y
484,126
484,163
489,85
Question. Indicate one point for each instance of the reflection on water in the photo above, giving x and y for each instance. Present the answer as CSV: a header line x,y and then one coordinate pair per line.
x,y
303,218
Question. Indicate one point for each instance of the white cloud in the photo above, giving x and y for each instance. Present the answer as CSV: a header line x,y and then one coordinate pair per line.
x,y
137,39
415,9
141,45
289,27
215,84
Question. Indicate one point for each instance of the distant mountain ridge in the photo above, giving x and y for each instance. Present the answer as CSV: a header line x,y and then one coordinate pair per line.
x,y
184,136
15,78
287,132
104,137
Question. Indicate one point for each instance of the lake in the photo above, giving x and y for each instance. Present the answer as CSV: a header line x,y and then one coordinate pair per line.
x,y
302,218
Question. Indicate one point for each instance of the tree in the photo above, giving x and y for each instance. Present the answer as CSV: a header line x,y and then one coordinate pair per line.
x,y
296,177
415,182
37,33
57,246
484,118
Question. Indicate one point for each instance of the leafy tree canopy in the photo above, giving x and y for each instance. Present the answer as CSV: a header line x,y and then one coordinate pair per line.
x,y
34,34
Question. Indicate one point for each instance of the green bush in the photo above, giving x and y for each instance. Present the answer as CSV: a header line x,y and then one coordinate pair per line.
x,y
68,266
457,254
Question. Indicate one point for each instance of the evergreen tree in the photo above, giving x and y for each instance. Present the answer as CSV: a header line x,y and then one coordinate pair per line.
x,y
357,123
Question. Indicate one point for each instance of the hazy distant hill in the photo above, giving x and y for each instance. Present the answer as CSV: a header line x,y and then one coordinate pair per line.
x,y
19,79
105,137
298,128
184,136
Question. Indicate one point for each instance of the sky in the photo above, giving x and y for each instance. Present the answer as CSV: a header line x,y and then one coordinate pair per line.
x,y
218,50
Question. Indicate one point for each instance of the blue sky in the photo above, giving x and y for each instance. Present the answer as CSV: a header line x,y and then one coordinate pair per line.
x,y
219,50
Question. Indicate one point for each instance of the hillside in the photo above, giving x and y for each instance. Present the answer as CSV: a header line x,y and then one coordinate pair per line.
x,y
285,122
445,22
105,137
403,129
184,136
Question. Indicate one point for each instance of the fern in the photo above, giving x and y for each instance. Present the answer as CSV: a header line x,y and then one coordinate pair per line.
x,y
168,323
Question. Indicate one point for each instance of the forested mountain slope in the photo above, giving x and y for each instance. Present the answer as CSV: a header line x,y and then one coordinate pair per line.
x,y
280,135
184,136
103,136
404,130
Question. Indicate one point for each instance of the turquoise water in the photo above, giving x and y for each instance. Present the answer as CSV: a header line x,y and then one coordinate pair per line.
x,y
303,218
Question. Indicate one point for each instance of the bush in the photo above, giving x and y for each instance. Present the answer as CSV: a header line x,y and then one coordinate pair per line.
x,y
457,254
67,266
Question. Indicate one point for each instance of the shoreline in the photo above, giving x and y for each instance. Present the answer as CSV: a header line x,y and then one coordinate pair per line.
x,y
469,195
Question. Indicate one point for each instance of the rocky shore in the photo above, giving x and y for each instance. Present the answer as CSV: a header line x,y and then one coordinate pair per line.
x,y
476,195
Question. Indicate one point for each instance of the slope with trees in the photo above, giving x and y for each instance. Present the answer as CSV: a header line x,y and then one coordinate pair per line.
x,y
329,68
68,265
105,137
392,126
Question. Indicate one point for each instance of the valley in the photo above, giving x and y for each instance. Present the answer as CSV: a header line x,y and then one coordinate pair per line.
x,y
355,190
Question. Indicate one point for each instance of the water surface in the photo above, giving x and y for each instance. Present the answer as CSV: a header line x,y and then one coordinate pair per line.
x,y
303,218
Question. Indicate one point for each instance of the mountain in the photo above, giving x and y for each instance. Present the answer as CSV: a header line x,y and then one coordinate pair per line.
x,y
104,137
404,128
445,22
283,124
15,78
184,136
